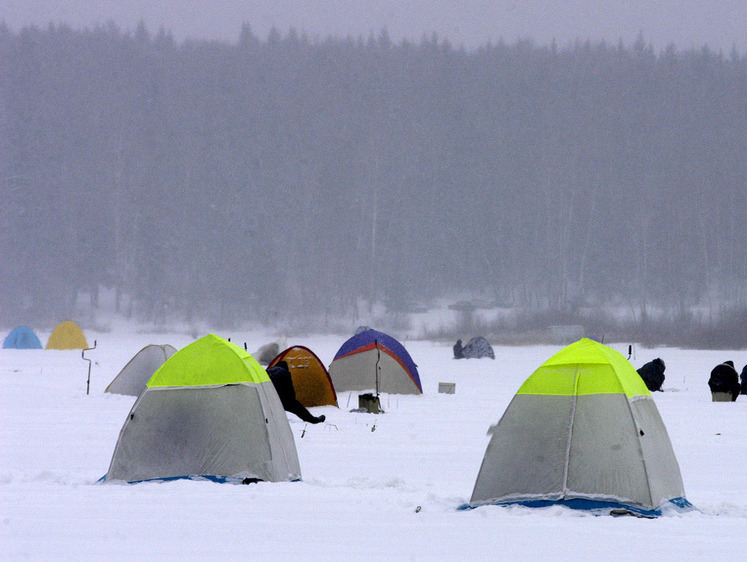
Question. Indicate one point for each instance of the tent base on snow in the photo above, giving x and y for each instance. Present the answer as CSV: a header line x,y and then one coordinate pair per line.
x,y
600,507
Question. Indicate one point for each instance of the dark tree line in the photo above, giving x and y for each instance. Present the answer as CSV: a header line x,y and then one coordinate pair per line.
x,y
292,177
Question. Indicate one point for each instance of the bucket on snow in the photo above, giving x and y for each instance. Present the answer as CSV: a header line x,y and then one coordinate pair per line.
x,y
446,387
369,403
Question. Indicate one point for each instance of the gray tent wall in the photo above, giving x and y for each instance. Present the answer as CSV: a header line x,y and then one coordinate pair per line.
x,y
358,372
601,447
236,430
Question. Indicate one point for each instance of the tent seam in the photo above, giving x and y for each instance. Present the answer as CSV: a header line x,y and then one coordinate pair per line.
x,y
564,489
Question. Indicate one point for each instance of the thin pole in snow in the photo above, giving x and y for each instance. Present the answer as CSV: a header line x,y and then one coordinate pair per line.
x,y
378,360
83,356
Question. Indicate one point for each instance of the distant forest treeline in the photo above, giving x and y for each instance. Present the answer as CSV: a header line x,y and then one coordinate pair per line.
x,y
293,177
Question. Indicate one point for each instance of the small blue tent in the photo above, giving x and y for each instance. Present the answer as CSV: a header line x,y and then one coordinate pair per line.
x,y
22,337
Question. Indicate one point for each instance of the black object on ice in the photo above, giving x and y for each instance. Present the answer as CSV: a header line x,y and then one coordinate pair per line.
x,y
652,374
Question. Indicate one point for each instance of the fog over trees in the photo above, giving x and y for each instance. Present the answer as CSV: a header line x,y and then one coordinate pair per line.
x,y
291,177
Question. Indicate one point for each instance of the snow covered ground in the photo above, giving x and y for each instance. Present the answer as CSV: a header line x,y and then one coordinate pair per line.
x,y
381,486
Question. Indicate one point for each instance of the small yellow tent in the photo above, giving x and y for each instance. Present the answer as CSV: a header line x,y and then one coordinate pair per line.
x,y
310,377
67,335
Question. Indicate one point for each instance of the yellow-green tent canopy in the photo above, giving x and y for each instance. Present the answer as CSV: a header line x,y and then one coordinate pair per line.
x,y
209,361
585,367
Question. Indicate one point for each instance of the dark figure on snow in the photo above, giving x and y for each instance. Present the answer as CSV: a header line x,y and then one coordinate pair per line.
x,y
743,378
283,383
725,381
458,350
652,374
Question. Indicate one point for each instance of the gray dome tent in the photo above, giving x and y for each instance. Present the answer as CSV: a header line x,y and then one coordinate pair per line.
x,y
133,377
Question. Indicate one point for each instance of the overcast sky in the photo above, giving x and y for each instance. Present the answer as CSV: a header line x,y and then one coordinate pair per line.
x,y
721,24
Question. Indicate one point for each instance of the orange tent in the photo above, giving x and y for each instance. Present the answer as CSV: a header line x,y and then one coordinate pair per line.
x,y
310,377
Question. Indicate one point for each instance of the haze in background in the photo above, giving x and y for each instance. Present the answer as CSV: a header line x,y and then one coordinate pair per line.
x,y
685,23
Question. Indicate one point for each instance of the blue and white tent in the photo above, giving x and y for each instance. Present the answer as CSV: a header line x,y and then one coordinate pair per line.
x,y
373,360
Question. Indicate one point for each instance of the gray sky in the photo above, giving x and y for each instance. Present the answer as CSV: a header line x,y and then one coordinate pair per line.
x,y
687,23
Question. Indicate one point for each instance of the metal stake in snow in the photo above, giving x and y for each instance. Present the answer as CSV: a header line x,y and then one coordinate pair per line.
x,y
368,401
83,356
378,360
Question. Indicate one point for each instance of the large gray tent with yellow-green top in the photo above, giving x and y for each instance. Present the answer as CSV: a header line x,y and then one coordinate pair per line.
x,y
209,411
584,431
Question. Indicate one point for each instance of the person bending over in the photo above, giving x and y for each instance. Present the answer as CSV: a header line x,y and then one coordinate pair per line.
x,y
283,383
652,374
724,378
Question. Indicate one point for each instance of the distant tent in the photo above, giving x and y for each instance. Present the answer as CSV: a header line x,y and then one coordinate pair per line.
x,y
310,377
209,411
267,352
582,431
135,375
356,363
22,337
476,348
67,335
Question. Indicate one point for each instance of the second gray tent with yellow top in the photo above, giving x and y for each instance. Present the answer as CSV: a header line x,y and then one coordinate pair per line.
x,y
584,431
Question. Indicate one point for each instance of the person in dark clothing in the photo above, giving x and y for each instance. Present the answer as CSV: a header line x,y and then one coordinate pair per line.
x,y
724,378
652,374
458,352
283,383
743,378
